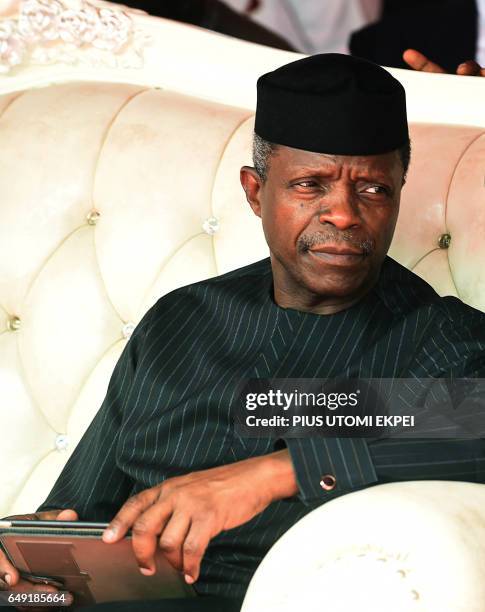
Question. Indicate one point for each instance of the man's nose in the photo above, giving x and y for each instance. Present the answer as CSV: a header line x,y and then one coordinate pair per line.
x,y
340,209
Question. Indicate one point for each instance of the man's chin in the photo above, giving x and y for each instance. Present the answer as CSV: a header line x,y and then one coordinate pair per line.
x,y
340,280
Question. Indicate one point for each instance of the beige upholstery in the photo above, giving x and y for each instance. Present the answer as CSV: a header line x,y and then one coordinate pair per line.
x,y
118,186
155,166
399,547
445,195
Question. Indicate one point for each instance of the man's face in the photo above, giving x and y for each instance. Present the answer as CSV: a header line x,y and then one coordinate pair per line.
x,y
328,220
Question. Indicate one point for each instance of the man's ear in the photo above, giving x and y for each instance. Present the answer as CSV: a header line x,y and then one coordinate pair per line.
x,y
252,185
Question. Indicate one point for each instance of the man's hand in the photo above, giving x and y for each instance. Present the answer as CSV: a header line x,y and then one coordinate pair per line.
x,y
186,512
420,62
10,579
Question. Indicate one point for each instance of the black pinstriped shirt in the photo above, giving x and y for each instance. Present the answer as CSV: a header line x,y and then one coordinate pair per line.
x,y
168,407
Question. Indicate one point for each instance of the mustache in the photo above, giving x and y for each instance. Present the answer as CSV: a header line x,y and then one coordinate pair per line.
x,y
362,243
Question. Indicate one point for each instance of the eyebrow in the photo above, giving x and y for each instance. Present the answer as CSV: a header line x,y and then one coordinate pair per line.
x,y
373,175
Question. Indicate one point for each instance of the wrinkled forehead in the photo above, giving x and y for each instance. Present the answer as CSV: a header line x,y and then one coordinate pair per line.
x,y
288,159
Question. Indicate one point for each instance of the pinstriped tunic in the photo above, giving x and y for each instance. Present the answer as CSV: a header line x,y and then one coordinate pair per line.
x,y
168,407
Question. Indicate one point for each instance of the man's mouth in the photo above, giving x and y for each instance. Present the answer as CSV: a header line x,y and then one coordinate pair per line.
x,y
340,255
335,250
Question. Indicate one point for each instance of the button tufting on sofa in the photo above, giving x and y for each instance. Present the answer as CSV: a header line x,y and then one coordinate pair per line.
x,y
62,442
13,323
444,241
211,225
128,329
93,217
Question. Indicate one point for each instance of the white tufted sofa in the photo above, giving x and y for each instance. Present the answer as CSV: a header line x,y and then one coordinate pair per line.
x,y
399,547
119,184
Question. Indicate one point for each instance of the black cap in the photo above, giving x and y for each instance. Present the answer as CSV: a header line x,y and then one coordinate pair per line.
x,y
332,103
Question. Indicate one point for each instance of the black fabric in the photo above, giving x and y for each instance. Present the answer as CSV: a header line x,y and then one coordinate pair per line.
x,y
169,408
446,32
390,7
332,103
189,11
197,604
221,18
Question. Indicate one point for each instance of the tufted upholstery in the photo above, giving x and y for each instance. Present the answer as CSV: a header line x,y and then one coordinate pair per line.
x,y
115,193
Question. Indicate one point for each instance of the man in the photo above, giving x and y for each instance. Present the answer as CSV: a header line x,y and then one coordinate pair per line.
x,y
389,33
447,34
162,456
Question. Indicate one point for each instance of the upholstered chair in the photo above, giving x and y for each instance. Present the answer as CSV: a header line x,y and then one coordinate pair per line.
x,y
119,163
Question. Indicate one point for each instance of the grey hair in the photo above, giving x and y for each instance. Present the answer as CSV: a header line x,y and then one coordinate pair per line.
x,y
263,149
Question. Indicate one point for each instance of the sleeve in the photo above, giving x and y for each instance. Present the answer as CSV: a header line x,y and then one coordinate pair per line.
x,y
382,42
457,353
91,482
329,467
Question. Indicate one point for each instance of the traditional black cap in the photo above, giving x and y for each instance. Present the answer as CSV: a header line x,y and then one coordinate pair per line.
x,y
332,103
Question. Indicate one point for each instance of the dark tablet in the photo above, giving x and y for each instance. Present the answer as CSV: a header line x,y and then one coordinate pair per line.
x,y
73,557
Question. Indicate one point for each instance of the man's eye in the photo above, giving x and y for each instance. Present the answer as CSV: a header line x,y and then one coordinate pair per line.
x,y
307,184
377,189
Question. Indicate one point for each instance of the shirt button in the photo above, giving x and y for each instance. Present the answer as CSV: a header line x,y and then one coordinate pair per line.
x,y
328,482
